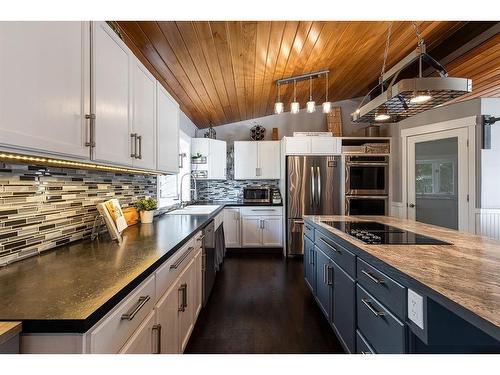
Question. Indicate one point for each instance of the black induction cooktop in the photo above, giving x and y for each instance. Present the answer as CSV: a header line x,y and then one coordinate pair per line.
x,y
372,232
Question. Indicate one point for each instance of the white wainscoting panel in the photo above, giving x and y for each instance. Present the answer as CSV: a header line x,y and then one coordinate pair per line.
x,y
488,223
397,209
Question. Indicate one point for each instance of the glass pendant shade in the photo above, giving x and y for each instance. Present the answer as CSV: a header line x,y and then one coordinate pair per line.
x,y
327,107
278,108
295,107
311,106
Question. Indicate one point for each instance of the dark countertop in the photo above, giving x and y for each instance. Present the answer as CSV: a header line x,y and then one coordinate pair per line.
x,y
238,203
70,288
462,276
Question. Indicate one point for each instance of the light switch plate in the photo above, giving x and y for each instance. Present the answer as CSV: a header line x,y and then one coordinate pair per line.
x,y
416,308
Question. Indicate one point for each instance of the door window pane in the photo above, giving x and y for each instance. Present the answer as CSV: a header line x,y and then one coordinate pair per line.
x,y
436,182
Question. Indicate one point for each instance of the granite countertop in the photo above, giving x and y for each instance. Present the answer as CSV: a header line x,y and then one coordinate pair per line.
x,y
70,288
466,272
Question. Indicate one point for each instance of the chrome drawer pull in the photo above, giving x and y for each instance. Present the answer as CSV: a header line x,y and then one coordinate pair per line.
x,y
199,239
135,309
181,259
329,245
371,277
329,275
308,228
371,308
264,209
156,330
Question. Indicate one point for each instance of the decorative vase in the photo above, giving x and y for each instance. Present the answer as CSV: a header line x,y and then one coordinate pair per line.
x,y
147,217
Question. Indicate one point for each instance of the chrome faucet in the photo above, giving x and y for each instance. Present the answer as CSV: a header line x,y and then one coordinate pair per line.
x,y
194,191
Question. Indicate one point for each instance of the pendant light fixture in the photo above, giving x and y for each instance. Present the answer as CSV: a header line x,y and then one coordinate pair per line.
x,y
295,106
382,114
311,104
327,106
278,106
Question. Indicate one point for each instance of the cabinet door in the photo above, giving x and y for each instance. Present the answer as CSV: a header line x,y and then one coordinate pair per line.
x,y
145,339
167,317
323,145
251,232
198,278
232,227
309,264
269,160
112,92
297,145
144,117
344,306
245,160
45,83
167,131
187,290
271,231
324,283
217,160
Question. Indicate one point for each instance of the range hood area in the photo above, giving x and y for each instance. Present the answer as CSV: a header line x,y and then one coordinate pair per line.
x,y
409,96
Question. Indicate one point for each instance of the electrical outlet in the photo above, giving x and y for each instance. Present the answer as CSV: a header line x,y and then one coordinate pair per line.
x,y
416,308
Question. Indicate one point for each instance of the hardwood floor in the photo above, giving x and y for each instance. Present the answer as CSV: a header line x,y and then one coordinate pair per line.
x,y
260,304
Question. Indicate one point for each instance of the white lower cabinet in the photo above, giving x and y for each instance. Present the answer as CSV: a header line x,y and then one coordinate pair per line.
x,y
166,318
261,226
198,293
145,339
232,227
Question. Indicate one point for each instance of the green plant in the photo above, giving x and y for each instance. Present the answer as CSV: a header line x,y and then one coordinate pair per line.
x,y
146,204
197,156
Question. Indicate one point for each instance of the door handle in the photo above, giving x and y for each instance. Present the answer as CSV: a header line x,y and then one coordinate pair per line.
x,y
139,138
133,139
156,330
313,188
318,176
183,298
411,205
329,275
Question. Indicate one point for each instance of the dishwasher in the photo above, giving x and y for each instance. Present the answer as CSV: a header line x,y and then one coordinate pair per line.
x,y
208,264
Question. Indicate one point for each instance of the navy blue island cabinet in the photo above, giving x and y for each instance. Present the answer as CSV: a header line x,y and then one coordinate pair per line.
x,y
365,303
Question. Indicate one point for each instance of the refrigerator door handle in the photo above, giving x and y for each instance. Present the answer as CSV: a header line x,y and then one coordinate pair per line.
x,y
318,176
313,189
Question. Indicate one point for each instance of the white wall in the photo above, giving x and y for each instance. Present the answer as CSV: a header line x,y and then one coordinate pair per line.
x,y
287,123
187,126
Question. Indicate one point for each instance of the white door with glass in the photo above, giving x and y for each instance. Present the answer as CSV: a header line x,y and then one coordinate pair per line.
x,y
437,175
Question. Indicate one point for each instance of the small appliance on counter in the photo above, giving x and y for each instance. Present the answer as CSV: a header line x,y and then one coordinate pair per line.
x,y
257,194
276,196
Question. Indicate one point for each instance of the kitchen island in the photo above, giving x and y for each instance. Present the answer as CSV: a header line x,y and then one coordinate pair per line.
x,y
431,283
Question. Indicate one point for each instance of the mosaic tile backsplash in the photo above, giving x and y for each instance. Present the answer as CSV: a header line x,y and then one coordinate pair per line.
x,y
228,190
44,207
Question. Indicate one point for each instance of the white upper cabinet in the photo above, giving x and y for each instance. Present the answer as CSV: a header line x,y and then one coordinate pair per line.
x,y
112,96
257,160
312,145
44,87
167,131
143,134
212,163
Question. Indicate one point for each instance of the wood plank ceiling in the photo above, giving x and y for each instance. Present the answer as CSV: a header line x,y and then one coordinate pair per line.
x,y
225,71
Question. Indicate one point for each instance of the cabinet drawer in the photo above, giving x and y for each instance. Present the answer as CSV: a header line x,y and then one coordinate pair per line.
x,y
309,231
261,211
382,287
362,346
110,334
171,269
343,257
382,329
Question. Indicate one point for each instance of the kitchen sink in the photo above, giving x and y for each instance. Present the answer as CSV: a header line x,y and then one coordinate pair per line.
x,y
195,210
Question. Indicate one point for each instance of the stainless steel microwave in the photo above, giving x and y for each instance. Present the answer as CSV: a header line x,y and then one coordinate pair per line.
x,y
257,194
366,175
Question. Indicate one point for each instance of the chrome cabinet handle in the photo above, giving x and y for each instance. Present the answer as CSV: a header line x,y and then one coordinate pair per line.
x,y
181,259
263,224
329,275
368,304
181,159
313,188
263,209
183,298
329,245
311,260
318,176
91,141
135,309
308,227
199,239
371,277
133,139
156,330
139,138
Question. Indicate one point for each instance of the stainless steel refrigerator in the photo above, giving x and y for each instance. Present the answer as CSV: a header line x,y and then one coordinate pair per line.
x,y
313,187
